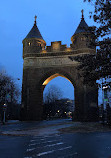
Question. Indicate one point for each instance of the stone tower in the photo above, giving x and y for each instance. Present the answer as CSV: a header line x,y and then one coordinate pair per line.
x,y
33,43
43,63
82,37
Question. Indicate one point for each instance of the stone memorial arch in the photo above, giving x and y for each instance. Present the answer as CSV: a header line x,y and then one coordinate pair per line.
x,y
43,63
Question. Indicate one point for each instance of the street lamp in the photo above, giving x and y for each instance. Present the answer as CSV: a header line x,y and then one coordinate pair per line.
x,y
4,112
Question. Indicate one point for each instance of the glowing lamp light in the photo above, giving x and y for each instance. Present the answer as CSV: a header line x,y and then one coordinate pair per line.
x,y
105,87
4,105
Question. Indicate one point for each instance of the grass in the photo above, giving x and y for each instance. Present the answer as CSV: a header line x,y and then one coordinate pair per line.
x,y
86,127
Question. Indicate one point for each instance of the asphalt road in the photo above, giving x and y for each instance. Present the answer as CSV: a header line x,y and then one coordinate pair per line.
x,y
92,145
76,145
96,145
13,147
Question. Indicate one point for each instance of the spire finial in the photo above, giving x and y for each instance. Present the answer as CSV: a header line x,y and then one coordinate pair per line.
x,y
35,19
82,11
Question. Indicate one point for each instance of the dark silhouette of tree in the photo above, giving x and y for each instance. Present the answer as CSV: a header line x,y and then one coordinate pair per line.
x,y
8,89
102,15
53,93
9,93
50,107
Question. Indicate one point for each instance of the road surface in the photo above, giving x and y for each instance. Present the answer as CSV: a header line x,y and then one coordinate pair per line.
x,y
55,145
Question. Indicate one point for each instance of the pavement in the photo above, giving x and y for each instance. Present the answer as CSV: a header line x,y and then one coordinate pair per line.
x,y
18,128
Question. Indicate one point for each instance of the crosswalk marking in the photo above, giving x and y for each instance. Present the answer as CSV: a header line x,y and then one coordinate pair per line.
x,y
44,153
49,152
50,141
44,144
54,144
31,149
68,147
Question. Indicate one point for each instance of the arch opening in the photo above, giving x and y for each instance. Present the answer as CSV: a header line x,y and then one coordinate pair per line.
x,y
55,106
52,77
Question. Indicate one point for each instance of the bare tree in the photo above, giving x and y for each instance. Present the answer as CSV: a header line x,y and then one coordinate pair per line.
x,y
50,101
53,93
8,89
9,94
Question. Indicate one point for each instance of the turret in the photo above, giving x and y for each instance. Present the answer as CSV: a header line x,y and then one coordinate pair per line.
x,y
33,42
82,38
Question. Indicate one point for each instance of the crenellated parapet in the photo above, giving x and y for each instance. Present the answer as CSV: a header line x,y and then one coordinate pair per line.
x,y
35,46
56,46
56,49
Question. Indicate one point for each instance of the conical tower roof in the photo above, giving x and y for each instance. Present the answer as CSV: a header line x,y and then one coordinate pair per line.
x,y
83,27
34,32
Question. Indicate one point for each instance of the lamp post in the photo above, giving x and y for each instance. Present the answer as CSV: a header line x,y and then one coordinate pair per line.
x,y
4,113
106,90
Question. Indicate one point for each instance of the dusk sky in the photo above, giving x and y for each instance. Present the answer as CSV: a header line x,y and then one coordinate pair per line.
x,y
57,20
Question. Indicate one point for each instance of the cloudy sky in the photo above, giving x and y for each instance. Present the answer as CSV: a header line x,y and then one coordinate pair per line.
x,y
57,20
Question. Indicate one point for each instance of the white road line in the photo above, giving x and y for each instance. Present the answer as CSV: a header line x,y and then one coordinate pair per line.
x,y
32,144
45,153
68,147
50,141
32,140
54,144
49,152
31,149
42,139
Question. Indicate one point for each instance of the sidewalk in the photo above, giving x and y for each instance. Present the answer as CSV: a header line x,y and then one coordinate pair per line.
x,y
34,128
17,128
9,122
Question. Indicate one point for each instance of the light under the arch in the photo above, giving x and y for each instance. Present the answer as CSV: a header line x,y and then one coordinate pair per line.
x,y
52,77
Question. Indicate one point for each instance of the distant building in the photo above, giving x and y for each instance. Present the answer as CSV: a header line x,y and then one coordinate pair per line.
x,y
65,105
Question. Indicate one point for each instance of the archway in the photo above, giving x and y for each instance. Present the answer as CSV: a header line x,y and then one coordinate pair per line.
x,y
58,97
34,83
41,64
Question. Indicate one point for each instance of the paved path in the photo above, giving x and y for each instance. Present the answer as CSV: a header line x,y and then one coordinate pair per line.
x,y
35,128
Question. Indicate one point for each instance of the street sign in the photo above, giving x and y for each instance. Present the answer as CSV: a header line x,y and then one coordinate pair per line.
x,y
105,99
